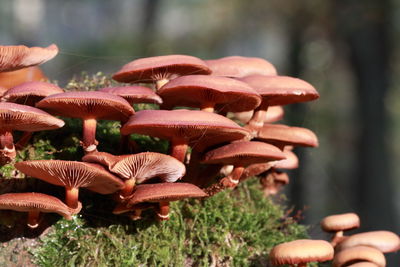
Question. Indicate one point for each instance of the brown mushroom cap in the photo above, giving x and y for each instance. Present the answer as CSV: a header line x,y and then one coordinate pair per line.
x,y
198,128
11,79
274,113
243,153
134,94
384,241
20,56
359,253
283,135
30,92
25,118
161,67
207,91
72,174
164,192
88,104
340,222
237,66
301,251
363,264
281,90
26,202
290,162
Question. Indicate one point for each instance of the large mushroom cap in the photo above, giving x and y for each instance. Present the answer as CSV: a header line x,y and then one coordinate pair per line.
x,y
281,90
25,118
164,192
161,67
301,251
134,94
200,129
88,104
237,66
283,135
30,92
20,56
359,253
243,153
200,90
26,202
72,174
340,222
385,241
146,165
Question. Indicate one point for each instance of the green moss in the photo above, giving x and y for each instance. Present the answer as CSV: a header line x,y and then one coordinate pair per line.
x,y
237,227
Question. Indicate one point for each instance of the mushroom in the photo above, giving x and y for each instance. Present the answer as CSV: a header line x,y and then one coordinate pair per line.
x,y
205,92
134,94
11,79
21,118
300,252
197,129
275,113
34,203
363,264
359,254
237,66
141,167
282,135
72,175
239,154
277,90
163,193
29,93
384,241
273,182
160,69
338,223
89,106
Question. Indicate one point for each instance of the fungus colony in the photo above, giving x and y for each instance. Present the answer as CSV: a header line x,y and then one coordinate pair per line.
x,y
234,103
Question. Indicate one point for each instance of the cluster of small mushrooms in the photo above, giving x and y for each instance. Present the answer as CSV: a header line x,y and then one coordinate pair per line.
x,y
233,103
364,249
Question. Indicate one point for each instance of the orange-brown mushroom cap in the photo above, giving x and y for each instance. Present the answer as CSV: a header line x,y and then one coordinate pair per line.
x,y
30,92
301,251
384,241
164,192
72,174
199,129
20,56
205,91
237,66
340,222
160,67
283,135
39,202
359,253
134,94
274,113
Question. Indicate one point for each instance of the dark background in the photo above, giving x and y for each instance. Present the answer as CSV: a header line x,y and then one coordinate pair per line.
x,y
348,49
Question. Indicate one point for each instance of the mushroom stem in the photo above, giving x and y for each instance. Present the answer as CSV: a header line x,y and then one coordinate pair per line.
x,y
163,211
337,238
208,107
257,120
160,83
7,149
229,181
128,188
178,149
33,219
136,215
71,197
89,142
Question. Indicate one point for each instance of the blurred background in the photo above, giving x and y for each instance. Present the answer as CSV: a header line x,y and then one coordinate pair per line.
x,y
347,49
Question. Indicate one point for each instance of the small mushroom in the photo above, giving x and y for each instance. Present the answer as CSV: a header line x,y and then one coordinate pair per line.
x,y
184,128
72,175
359,254
273,182
237,66
300,252
338,223
162,194
160,69
34,203
206,92
89,106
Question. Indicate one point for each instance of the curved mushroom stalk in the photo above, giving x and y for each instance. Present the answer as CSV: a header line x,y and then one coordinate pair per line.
x,y
257,120
7,148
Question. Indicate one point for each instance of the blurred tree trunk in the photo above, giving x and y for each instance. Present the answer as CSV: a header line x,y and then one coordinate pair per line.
x,y
149,23
363,25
